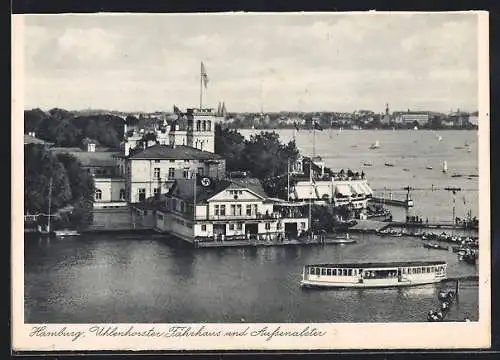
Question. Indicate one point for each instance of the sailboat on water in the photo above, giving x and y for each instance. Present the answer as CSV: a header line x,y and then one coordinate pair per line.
x,y
445,167
375,145
47,231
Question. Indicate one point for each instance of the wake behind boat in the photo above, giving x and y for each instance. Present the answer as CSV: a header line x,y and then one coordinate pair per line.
x,y
371,275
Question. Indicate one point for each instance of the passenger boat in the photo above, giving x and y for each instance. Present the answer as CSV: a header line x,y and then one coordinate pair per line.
x,y
372,275
66,232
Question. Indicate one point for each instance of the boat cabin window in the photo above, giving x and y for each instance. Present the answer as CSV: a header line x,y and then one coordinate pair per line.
x,y
328,272
318,271
323,271
344,272
349,272
334,272
311,271
355,272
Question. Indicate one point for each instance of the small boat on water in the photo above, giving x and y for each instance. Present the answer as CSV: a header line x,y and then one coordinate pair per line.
x,y
66,232
456,175
372,275
340,239
445,167
405,169
367,164
375,145
440,138
428,167
435,246
389,164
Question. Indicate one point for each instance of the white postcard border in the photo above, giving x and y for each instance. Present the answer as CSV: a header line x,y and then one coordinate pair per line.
x,y
252,337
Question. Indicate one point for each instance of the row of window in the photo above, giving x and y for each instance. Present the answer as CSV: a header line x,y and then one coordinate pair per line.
x,y
236,210
172,161
354,272
98,194
171,173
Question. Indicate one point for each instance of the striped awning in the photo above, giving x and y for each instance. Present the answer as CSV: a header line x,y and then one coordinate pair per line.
x,y
343,189
366,188
305,191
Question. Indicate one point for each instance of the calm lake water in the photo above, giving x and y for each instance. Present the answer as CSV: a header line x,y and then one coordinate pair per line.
x,y
147,279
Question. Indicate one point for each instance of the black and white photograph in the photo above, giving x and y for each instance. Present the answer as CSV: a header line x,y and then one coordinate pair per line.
x,y
312,179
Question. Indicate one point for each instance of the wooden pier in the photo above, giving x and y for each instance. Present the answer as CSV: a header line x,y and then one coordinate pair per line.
x,y
404,203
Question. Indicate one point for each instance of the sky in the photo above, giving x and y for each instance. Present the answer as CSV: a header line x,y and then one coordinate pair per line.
x,y
254,62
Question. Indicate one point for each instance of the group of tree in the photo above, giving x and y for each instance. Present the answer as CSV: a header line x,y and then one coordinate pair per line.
x,y
72,187
68,129
263,155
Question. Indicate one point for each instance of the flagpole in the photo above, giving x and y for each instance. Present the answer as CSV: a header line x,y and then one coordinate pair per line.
x,y
201,85
288,179
194,197
310,196
314,141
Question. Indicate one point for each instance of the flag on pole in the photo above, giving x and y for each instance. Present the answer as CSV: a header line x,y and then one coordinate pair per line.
x,y
176,110
317,126
204,75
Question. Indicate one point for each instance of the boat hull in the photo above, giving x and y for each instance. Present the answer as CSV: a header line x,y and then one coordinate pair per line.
x,y
366,284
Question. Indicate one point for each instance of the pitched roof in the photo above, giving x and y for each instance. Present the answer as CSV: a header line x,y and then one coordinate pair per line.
x,y
251,184
179,152
184,188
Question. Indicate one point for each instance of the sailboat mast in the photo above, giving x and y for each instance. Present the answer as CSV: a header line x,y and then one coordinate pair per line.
x,y
50,203
310,195
288,179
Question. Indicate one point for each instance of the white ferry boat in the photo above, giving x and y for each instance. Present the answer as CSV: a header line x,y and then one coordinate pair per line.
x,y
370,275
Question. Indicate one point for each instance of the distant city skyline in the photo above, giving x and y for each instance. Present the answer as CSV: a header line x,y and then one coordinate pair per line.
x,y
274,62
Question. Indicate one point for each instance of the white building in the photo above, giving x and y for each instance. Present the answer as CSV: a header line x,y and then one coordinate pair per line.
x,y
410,117
226,210
152,171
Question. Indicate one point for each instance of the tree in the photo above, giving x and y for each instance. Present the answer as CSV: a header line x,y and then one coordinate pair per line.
x,y
40,166
230,144
82,189
67,135
32,119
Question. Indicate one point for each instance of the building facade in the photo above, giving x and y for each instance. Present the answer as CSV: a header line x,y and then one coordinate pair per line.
x,y
410,117
227,210
152,171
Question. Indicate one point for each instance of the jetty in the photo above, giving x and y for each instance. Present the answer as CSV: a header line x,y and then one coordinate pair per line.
x,y
407,203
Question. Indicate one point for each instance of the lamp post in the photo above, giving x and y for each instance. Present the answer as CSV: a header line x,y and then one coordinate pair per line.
x,y
454,191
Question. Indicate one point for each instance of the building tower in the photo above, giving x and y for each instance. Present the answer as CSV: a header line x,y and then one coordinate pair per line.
x,y
201,129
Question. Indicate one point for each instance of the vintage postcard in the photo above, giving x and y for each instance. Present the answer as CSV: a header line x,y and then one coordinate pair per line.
x,y
251,181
